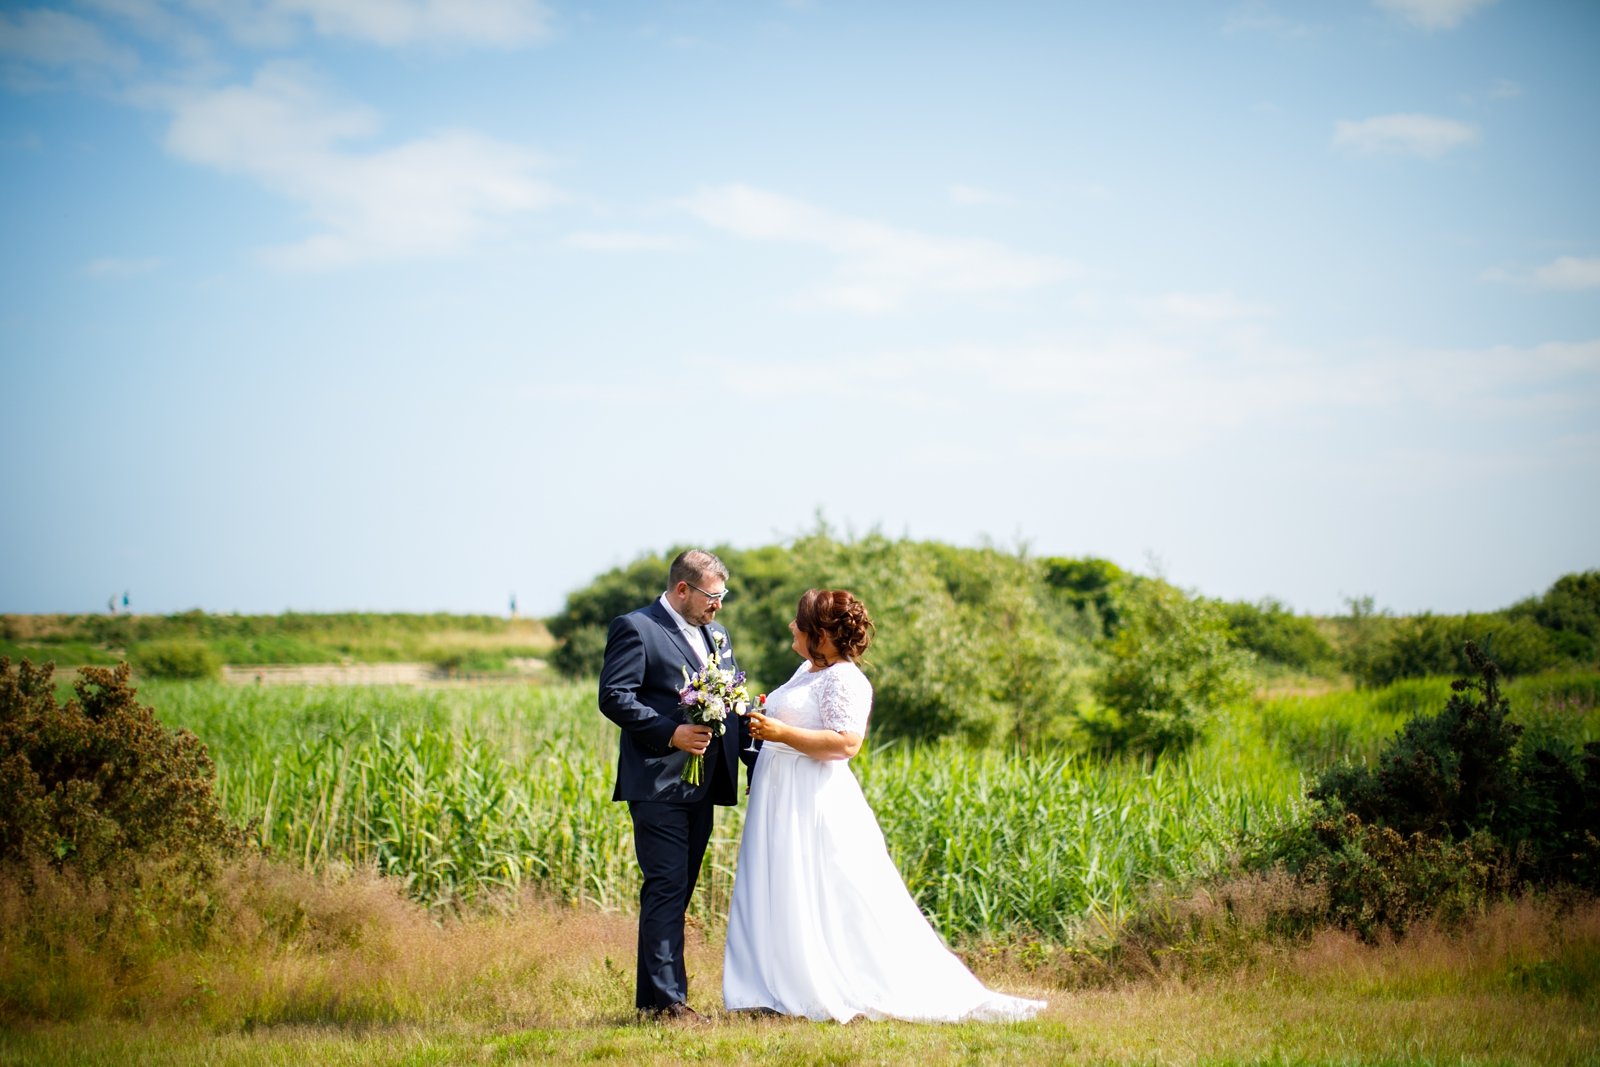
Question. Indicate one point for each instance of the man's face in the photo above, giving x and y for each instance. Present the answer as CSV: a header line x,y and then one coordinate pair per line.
x,y
701,600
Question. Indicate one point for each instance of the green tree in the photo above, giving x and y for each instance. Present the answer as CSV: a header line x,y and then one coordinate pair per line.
x,y
1172,667
1274,633
582,624
1569,612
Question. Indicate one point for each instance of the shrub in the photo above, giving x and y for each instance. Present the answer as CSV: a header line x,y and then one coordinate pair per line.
x,y
969,641
111,837
1445,774
1569,611
1091,587
1452,813
1379,880
1361,633
1172,668
1427,644
1274,633
176,659
97,782
581,626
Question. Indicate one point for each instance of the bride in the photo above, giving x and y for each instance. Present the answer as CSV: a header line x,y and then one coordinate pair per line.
x,y
821,923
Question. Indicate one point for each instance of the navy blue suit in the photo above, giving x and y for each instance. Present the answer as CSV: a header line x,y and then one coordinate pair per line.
x,y
639,681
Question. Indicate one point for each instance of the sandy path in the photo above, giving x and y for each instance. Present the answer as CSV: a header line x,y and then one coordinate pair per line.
x,y
371,674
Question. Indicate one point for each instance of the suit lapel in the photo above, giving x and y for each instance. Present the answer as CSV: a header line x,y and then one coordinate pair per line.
x,y
659,614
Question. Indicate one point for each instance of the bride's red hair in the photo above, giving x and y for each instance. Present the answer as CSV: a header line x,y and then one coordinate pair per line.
x,y
837,614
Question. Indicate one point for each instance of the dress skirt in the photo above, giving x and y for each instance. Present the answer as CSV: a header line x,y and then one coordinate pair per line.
x,y
822,924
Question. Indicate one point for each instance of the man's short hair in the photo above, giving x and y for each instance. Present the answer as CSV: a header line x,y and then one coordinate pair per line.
x,y
695,565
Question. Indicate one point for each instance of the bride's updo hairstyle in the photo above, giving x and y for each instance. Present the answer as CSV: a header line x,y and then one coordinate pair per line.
x,y
839,615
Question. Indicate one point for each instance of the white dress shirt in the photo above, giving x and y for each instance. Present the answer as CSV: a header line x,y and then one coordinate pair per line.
x,y
697,640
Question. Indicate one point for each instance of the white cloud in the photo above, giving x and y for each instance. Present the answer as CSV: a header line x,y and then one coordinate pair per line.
x,y
111,267
183,25
170,23
1433,14
36,41
1140,395
1257,16
1406,134
972,196
491,23
1206,307
428,196
1568,273
879,267
622,241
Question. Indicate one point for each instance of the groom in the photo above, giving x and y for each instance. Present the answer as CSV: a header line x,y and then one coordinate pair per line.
x,y
646,653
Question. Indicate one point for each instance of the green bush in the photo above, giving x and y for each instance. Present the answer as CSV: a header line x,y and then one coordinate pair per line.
x,y
176,659
1090,587
98,782
1172,668
1453,811
1381,881
582,624
970,641
1569,612
1426,645
1275,634
1445,775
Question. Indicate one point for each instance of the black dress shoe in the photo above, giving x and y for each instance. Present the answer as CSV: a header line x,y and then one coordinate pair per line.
x,y
676,1013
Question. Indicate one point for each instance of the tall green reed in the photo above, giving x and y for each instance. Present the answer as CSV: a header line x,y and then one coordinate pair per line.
x,y
464,792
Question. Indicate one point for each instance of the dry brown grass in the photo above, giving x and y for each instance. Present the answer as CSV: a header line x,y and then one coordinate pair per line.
x,y
341,968
351,947
27,628
528,632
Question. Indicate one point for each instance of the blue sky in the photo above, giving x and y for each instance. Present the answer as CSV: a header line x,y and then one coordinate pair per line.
x,y
414,304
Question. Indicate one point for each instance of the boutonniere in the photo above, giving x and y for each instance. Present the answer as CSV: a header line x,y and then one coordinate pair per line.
x,y
721,639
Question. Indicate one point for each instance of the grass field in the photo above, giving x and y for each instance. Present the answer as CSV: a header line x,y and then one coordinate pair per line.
x,y
474,790
552,985
448,882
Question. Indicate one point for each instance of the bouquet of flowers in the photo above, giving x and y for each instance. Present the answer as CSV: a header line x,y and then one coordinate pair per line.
x,y
707,698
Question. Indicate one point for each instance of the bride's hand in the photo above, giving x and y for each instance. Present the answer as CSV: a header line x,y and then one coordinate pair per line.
x,y
762,727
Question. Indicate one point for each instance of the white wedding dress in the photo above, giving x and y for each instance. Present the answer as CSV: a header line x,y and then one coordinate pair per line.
x,y
822,924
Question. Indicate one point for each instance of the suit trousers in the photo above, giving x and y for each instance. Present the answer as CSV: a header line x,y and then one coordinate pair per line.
x,y
670,841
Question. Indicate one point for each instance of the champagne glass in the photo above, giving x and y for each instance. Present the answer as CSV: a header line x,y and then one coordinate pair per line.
x,y
750,742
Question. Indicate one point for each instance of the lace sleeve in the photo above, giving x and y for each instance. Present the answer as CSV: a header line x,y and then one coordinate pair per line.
x,y
846,699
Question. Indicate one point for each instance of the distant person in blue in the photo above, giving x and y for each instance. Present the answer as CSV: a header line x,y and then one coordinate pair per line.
x,y
647,653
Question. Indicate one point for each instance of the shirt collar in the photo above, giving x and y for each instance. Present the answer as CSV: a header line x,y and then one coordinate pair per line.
x,y
675,616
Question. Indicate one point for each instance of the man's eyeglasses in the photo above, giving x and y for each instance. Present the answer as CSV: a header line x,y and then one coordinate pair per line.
x,y
718,597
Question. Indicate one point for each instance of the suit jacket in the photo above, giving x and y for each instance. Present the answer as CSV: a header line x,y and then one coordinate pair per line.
x,y
639,682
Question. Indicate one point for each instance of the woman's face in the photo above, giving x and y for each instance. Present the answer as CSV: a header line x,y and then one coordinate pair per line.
x,y
798,642
823,652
